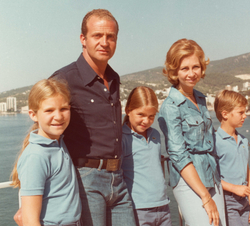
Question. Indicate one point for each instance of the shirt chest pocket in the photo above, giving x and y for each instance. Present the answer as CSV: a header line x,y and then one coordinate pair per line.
x,y
193,128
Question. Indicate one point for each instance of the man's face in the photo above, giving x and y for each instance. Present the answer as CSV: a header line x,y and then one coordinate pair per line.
x,y
100,42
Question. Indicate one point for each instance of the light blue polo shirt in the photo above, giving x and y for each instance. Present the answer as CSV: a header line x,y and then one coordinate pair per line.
x,y
45,168
233,157
142,170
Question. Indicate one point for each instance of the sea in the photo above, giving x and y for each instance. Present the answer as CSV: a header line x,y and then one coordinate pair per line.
x,y
13,129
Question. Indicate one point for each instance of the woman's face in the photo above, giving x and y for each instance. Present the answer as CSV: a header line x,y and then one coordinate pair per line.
x,y
189,72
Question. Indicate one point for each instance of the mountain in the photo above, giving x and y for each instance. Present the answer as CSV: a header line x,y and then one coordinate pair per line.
x,y
219,73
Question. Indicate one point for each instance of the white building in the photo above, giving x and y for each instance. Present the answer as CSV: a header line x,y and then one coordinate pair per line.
x,y
11,104
3,106
25,109
228,87
246,86
235,88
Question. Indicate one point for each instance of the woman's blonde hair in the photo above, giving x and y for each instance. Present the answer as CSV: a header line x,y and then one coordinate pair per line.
x,y
139,97
41,91
227,100
179,50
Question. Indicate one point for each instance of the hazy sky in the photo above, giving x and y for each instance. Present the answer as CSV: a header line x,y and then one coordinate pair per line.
x,y
38,37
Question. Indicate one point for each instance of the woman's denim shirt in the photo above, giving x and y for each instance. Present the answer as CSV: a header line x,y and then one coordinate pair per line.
x,y
188,136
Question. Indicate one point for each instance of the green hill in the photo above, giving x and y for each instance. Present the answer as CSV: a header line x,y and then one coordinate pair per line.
x,y
219,74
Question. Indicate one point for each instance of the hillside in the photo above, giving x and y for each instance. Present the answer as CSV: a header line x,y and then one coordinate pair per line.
x,y
219,74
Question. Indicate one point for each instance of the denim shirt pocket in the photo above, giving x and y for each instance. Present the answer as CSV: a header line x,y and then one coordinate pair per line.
x,y
208,121
193,128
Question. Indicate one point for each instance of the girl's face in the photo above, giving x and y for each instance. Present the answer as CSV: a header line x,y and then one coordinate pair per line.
x,y
189,72
53,117
140,119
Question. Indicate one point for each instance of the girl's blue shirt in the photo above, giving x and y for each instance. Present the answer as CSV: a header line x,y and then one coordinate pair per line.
x,y
188,136
142,170
45,168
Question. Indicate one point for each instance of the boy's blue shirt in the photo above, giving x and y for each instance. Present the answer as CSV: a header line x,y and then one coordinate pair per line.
x,y
232,157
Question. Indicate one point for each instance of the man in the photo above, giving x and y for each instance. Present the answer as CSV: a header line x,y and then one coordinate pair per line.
x,y
93,136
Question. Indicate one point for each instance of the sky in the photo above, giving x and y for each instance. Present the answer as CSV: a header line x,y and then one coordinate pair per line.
x,y
39,37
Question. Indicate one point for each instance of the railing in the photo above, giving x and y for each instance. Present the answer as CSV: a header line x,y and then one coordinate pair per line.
x,y
7,185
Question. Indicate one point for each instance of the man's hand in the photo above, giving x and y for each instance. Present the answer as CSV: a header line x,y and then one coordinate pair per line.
x,y
18,217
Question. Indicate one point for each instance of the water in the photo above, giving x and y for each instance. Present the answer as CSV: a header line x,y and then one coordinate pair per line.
x,y
13,129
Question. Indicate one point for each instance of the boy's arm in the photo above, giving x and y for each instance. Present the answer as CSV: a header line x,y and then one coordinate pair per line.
x,y
248,179
31,210
240,190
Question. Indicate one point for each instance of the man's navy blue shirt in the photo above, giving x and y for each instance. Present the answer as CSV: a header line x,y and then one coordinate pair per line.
x,y
95,128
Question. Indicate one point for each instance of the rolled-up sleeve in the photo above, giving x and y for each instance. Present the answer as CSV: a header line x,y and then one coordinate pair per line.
x,y
171,125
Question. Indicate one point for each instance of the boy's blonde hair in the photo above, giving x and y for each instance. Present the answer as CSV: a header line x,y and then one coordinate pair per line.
x,y
139,97
227,100
41,91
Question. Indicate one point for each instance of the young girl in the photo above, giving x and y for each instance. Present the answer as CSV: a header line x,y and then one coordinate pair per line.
x,y
44,170
141,162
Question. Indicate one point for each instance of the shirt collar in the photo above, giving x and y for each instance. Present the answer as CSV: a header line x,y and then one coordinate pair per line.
x,y
127,130
38,139
85,69
179,98
225,135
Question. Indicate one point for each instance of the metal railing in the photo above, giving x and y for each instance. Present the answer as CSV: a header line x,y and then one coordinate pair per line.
x,y
6,184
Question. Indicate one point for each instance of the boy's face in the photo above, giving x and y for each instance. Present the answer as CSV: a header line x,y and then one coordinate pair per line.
x,y
236,117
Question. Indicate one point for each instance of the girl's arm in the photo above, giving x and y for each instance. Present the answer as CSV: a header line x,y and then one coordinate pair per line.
x,y
192,178
31,209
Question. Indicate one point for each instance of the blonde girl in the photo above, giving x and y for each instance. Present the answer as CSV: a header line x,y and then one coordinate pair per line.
x,y
44,171
141,162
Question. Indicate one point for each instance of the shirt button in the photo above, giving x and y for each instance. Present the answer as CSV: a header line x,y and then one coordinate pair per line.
x,y
112,104
92,100
105,89
196,122
98,77
209,141
114,122
116,139
115,156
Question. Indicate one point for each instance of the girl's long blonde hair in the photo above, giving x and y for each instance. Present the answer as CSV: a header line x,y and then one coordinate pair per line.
x,y
41,91
139,97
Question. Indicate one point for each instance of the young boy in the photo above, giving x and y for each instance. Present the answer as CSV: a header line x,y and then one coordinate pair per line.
x,y
232,151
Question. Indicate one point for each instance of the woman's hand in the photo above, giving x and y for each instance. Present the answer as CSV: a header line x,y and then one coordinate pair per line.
x,y
192,178
211,210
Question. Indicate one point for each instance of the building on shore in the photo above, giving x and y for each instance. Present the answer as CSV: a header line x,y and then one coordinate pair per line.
x,y
25,109
3,107
11,104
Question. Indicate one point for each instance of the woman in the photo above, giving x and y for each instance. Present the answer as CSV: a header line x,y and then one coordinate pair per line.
x,y
187,126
